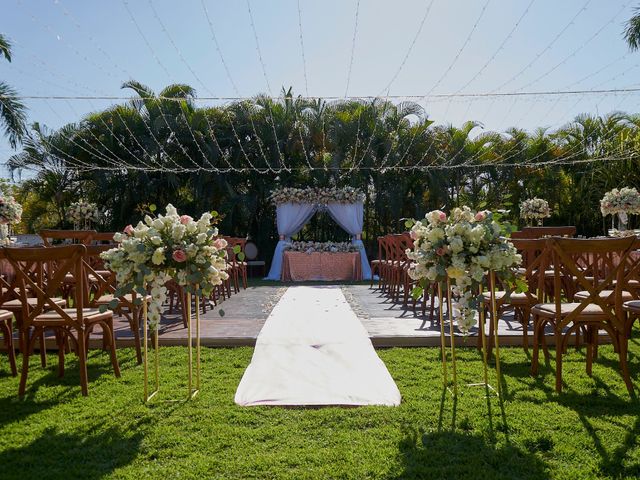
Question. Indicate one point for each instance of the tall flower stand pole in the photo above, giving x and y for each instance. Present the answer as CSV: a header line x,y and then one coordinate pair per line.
x,y
191,391
485,365
443,345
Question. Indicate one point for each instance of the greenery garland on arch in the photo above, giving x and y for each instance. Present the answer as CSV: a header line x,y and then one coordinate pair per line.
x,y
317,195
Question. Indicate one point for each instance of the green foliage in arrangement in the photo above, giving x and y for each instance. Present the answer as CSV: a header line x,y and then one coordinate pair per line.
x,y
590,431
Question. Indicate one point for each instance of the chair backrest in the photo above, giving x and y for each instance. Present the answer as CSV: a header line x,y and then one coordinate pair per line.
x,y
49,237
250,251
103,237
540,232
533,251
102,282
58,262
608,261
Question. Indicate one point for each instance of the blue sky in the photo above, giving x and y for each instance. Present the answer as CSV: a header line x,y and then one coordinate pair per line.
x,y
89,47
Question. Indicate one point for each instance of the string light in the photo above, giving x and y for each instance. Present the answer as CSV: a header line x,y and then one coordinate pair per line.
x,y
304,61
111,158
353,48
460,50
406,56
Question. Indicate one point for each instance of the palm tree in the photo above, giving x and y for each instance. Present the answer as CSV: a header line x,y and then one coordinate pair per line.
x,y
632,31
13,117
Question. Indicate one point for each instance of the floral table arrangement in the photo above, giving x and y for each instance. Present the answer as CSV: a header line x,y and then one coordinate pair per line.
x,y
10,213
83,214
169,246
314,195
463,252
535,209
322,247
620,203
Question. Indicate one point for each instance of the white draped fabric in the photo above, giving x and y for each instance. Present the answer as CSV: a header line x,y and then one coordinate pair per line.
x,y
351,218
291,217
313,350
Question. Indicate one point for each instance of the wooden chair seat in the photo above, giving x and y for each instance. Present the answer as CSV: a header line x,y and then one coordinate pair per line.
x,y
632,306
88,314
109,297
70,278
6,328
626,296
549,310
16,304
514,298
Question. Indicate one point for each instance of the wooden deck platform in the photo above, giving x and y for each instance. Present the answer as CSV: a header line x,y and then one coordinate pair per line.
x,y
238,320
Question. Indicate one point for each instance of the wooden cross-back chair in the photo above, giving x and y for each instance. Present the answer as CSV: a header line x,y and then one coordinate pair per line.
x,y
73,324
238,267
567,231
53,237
399,264
6,326
533,253
632,284
384,260
100,289
103,238
593,311
10,300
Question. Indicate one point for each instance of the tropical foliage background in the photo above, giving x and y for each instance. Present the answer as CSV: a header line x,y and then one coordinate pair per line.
x,y
230,157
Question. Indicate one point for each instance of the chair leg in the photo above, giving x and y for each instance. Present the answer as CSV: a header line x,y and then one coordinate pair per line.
x,y
536,346
526,312
589,342
60,341
7,330
43,351
558,338
26,340
624,366
108,333
82,360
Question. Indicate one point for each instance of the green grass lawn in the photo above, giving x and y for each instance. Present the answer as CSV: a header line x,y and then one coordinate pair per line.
x,y
590,431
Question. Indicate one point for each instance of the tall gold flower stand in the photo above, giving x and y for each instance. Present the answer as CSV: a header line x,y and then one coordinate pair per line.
x,y
452,386
193,387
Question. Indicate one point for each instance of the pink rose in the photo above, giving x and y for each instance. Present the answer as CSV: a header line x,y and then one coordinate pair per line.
x,y
184,219
179,256
480,216
413,235
441,251
220,243
128,229
442,216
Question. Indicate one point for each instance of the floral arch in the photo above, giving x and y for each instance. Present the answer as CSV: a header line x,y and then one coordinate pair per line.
x,y
296,206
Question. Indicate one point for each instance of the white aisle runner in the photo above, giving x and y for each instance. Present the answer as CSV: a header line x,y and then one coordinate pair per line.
x,y
313,350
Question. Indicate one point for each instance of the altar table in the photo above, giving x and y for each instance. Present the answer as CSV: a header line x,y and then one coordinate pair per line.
x,y
302,266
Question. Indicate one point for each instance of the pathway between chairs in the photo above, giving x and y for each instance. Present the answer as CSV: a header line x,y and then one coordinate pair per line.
x,y
313,350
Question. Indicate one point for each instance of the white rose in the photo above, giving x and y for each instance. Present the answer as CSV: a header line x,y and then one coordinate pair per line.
x,y
158,257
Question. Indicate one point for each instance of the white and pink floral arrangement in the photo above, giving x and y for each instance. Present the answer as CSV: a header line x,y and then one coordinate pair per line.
x,y
534,209
83,214
463,247
10,213
166,247
324,247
